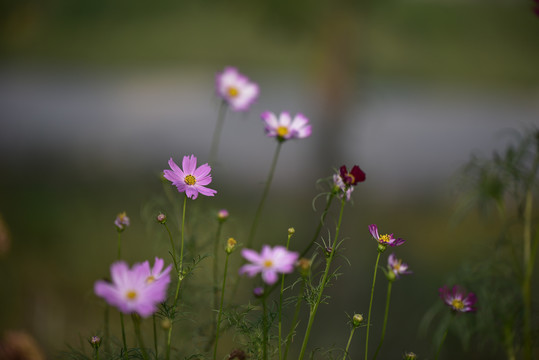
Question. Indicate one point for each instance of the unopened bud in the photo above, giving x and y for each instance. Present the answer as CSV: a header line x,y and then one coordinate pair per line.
x,y
230,245
410,356
258,292
122,221
166,324
304,266
95,341
291,231
222,215
391,275
161,218
328,251
357,320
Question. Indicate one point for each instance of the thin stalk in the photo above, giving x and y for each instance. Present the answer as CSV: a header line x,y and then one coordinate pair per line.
x,y
218,325
265,328
349,341
294,321
217,132
322,285
136,325
173,248
528,270
281,303
123,335
155,337
107,329
319,227
96,354
254,225
370,306
119,245
390,283
443,338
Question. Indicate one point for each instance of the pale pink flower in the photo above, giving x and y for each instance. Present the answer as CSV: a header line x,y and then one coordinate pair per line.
x,y
236,89
191,180
284,127
269,262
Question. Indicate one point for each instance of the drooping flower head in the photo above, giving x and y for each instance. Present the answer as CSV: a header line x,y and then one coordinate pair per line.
x,y
131,291
269,262
457,299
384,240
122,221
236,89
191,180
345,181
396,267
284,127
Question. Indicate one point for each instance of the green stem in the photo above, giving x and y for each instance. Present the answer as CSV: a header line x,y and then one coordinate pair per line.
x,y
173,248
155,336
123,335
254,225
264,328
385,319
528,270
294,321
119,245
218,325
281,303
319,227
443,339
182,236
106,340
217,132
322,285
96,354
370,306
136,325
349,341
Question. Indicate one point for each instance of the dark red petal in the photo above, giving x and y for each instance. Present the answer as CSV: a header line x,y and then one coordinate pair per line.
x,y
358,174
343,171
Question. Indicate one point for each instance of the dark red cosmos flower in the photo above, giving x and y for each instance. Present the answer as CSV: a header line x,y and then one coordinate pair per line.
x,y
353,177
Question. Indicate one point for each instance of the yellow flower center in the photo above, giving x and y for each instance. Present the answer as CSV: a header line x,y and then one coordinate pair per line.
x,y
190,180
268,263
457,304
150,279
131,295
232,91
397,265
282,131
384,239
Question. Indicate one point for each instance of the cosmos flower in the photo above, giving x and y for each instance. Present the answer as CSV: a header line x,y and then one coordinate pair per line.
x,y
122,221
284,127
236,89
130,291
397,267
457,299
385,240
269,262
191,180
345,181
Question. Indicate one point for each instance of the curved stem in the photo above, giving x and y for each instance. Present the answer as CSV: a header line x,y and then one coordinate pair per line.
x,y
370,306
254,225
173,248
281,303
294,321
442,341
319,227
322,285
123,335
385,319
349,341
217,132
218,325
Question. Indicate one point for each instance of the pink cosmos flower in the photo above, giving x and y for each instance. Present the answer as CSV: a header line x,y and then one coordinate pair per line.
x,y
346,181
122,221
284,127
269,262
396,266
236,89
191,180
130,290
386,239
457,299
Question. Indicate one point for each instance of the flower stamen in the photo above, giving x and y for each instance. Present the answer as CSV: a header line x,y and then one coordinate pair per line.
x,y
150,279
268,263
384,239
282,131
232,91
457,304
131,295
190,180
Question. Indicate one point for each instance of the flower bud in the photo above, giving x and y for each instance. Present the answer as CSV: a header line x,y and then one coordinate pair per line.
x,y
382,248
291,231
161,218
222,215
95,342
410,356
122,222
357,319
304,266
166,324
230,245
258,292
390,275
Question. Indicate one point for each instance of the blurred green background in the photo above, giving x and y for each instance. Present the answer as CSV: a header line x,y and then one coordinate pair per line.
x,y
97,95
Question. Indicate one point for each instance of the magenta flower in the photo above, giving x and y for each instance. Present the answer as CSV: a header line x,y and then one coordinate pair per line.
x,y
191,180
269,262
457,299
397,267
236,89
345,181
284,127
130,290
122,221
385,240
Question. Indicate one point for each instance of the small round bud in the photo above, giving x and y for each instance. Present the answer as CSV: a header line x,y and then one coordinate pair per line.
x,y
95,341
222,215
166,324
410,356
230,245
161,218
304,266
328,251
122,222
291,231
391,275
382,248
258,292
357,319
